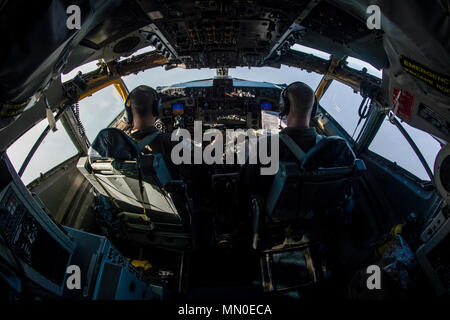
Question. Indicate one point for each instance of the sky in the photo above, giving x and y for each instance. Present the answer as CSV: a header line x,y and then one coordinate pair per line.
x,y
97,111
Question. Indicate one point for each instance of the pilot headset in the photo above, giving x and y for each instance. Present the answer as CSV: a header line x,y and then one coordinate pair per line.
x,y
156,107
285,103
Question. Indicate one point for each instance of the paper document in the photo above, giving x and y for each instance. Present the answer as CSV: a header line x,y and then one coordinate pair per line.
x,y
271,121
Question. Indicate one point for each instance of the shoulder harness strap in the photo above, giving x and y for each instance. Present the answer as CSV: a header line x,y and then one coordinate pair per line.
x,y
293,147
147,140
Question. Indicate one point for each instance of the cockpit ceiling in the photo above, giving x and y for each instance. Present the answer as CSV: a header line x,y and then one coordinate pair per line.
x,y
211,34
218,33
126,18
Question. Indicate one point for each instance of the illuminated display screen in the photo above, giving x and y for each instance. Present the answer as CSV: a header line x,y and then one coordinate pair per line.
x,y
178,108
266,106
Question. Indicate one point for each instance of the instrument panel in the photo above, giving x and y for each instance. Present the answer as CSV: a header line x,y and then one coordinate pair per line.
x,y
29,237
219,104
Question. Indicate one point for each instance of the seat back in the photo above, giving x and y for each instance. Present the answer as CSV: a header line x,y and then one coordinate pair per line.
x,y
290,227
120,180
320,183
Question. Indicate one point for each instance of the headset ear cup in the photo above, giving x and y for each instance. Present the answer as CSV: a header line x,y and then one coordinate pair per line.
x,y
128,110
287,105
129,115
157,106
155,109
284,104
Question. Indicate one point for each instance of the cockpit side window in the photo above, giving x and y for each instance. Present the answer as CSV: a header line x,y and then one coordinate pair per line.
x,y
54,149
359,65
99,110
392,145
96,112
342,103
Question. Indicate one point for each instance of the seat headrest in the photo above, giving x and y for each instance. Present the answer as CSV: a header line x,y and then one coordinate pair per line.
x,y
329,152
113,143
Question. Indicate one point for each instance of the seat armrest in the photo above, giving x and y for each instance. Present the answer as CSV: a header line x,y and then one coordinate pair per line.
x,y
102,167
331,173
337,172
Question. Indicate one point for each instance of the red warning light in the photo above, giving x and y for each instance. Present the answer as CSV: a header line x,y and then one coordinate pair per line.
x,y
403,103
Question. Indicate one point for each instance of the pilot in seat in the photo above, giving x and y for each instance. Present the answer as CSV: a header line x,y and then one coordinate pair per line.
x,y
299,105
142,162
303,204
315,172
142,106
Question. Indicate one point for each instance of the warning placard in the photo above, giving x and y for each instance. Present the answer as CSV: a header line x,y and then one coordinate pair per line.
x,y
435,79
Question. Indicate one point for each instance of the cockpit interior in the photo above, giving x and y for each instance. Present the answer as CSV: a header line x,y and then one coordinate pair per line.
x,y
122,226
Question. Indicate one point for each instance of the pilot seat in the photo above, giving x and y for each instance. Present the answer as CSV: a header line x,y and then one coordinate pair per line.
x,y
306,200
151,207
